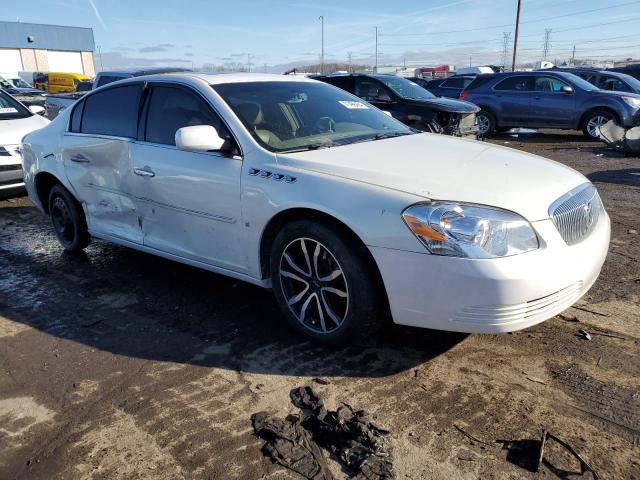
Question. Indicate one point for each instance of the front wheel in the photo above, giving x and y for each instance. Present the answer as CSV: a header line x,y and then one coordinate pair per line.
x,y
325,284
595,120
68,220
486,123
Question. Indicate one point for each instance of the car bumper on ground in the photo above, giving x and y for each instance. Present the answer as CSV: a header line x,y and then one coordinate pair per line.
x,y
492,296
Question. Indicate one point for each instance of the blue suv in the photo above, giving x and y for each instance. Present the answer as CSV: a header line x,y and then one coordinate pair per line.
x,y
547,100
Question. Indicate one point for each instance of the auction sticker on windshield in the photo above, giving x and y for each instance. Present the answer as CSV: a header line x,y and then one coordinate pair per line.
x,y
8,110
353,105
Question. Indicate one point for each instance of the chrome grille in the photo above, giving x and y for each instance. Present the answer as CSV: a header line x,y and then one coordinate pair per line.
x,y
576,213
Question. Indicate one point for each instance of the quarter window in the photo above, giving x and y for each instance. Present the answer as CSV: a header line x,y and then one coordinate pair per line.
x,y
515,83
112,112
172,108
105,79
548,84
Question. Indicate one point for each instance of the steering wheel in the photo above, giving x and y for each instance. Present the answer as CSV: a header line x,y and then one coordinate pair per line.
x,y
325,125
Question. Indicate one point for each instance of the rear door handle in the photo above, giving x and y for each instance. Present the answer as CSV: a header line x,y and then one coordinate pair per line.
x,y
144,172
79,158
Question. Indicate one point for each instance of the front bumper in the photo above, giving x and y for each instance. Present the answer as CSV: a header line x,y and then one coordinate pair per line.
x,y
496,295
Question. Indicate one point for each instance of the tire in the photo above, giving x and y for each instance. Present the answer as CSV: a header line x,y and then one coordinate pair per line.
x,y
595,119
68,220
486,122
351,309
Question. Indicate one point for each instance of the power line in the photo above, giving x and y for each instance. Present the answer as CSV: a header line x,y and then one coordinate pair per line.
x,y
508,25
505,48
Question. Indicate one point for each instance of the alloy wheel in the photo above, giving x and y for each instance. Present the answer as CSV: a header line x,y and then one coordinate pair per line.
x,y
484,124
314,285
595,122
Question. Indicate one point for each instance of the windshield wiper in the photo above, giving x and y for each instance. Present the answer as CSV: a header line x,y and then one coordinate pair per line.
x,y
311,146
382,135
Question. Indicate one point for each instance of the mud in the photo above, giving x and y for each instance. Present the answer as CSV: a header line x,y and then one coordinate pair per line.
x,y
117,364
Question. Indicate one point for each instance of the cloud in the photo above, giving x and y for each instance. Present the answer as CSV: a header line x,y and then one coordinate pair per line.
x,y
115,59
163,47
97,14
188,54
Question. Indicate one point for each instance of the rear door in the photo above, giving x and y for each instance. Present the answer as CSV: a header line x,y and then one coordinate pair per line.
x,y
514,96
96,153
551,107
189,201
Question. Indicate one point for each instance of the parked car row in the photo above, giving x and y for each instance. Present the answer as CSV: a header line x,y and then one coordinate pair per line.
x,y
548,99
347,214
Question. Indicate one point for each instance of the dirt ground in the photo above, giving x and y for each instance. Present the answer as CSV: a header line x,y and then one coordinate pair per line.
x,y
120,365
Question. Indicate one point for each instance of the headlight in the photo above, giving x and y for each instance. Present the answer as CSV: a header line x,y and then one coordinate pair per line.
x,y
633,101
470,231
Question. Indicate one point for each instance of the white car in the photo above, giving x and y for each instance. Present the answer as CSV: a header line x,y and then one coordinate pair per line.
x,y
346,213
16,120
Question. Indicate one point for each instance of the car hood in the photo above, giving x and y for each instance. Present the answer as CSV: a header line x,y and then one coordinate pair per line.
x,y
445,105
439,167
12,130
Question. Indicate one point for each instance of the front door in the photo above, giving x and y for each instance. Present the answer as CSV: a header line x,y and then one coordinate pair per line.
x,y
96,153
550,106
189,201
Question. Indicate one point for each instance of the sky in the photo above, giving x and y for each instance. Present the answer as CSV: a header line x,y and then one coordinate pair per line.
x,y
275,34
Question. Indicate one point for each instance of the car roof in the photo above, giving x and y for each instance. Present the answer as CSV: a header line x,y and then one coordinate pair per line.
x,y
138,71
8,75
223,78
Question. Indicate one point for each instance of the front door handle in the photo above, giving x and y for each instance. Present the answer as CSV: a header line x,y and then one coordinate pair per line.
x,y
144,172
79,158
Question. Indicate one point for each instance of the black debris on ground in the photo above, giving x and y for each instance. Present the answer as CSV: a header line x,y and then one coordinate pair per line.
x,y
348,435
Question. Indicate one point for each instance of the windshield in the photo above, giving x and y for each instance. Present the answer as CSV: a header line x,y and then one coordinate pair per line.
x,y
577,81
405,88
11,109
19,83
292,116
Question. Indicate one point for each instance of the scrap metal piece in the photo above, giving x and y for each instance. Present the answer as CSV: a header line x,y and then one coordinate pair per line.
x,y
619,138
584,466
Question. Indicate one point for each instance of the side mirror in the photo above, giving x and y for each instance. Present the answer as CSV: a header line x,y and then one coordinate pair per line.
x,y
199,138
566,89
36,109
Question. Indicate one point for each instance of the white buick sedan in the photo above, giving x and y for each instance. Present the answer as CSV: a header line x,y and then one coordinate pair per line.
x,y
347,214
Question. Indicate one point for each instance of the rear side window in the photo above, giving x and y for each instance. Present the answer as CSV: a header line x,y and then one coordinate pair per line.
x,y
105,79
172,108
112,112
479,81
345,83
515,83
454,83
76,117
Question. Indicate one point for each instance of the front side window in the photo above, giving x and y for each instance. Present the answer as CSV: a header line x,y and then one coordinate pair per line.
x,y
171,108
370,90
521,84
112,112
286,116
549,85
11,109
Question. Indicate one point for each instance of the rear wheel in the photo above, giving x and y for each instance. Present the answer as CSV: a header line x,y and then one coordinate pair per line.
x,y
486,123
68,219
594,120
325,284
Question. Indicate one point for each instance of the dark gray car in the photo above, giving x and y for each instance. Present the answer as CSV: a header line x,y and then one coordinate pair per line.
x,y
548,100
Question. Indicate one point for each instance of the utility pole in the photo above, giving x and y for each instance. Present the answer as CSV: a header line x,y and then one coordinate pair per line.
x,y
100,56
350,56
321,18
515,40
376,67
573,56
469,60
505,49
249,62
547,45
